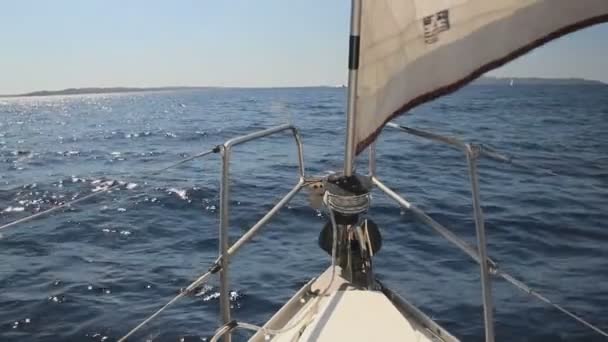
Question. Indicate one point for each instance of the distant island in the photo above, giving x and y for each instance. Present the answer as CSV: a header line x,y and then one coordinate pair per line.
x,y
488,80
485,80
111,90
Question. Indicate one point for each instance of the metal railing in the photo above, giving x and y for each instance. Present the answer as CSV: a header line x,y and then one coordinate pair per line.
x,y
225,250
480,255
487,266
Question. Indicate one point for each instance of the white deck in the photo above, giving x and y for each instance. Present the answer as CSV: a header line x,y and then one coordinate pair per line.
x,y
340,312
359,316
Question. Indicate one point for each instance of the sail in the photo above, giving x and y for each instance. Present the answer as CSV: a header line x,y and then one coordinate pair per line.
x,y
412,51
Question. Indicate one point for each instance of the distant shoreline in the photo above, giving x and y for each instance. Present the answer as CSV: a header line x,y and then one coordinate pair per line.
x,y
118,90
100,90
488,80
480,81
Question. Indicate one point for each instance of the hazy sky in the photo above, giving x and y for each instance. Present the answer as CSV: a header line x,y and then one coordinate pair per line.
x,y
78,43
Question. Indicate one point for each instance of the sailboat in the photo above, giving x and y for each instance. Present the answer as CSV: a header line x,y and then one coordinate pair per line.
x,y
402,53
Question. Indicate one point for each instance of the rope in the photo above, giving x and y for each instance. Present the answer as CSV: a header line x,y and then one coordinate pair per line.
x,y
67,204
151,317
309,314
347,204
313,308
212,270
523,287
221,331
484,150
493,154
334,249
104,190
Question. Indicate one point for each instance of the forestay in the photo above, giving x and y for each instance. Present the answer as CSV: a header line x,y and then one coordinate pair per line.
x,y
412,51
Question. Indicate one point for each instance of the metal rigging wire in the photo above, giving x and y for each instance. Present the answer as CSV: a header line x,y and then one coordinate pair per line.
x,y
105,190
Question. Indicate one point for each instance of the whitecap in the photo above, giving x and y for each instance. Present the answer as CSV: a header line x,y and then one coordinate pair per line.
x,y
203,290
108,183
180,193
234,295
131,186
13,209
211,296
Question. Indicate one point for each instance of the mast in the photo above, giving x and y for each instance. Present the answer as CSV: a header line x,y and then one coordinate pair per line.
x,y
353,66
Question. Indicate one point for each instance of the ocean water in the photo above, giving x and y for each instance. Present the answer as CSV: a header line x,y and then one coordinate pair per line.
x,y
95,270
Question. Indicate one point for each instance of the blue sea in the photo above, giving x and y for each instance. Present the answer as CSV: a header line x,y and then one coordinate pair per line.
x,y
93,271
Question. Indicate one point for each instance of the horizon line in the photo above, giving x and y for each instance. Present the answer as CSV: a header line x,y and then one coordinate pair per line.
x,y
91,90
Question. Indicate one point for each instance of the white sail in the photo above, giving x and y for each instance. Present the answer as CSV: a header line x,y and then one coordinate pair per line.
x,y
412,51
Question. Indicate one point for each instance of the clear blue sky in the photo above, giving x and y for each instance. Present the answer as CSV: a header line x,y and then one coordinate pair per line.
x,y
78,43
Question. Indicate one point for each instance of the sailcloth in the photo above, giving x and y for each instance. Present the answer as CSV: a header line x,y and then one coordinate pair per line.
x,y
412,51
